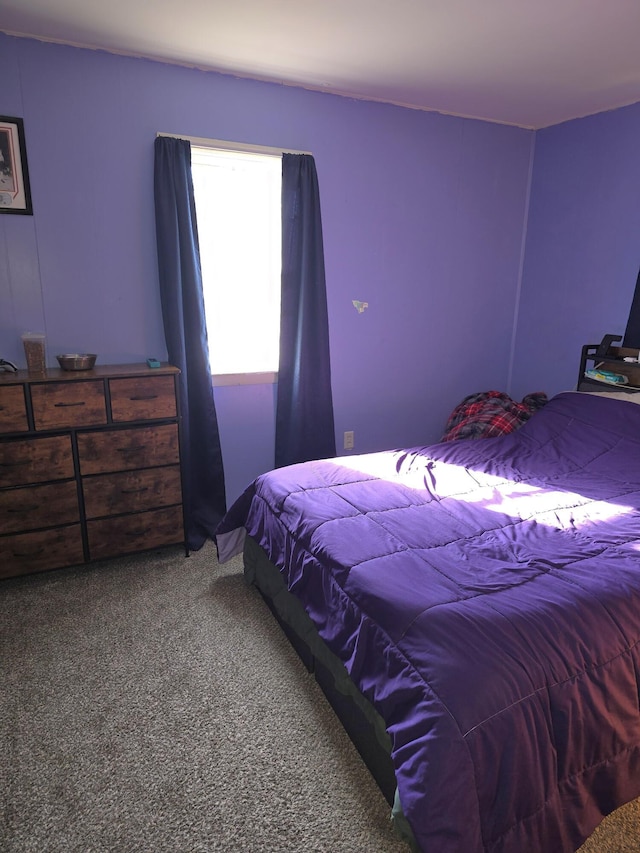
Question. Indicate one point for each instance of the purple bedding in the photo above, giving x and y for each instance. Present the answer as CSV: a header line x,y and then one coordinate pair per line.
x,y
485,597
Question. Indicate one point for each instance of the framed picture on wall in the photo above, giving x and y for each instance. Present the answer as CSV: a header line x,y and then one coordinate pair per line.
x,y
15,191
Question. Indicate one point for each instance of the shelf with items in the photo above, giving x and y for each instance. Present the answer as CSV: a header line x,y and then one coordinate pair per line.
x,y
611,361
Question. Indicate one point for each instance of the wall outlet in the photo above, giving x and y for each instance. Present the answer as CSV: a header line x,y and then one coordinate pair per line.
x,y
348,440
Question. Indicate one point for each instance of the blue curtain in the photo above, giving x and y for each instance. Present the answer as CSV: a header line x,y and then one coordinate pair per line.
x,y
304,407
632,332
186,336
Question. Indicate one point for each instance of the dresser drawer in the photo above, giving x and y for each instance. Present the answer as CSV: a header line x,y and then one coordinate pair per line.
x,y
125,534
131,491
142,398
68,404
127,449
35,460
35,552
38,506
13,411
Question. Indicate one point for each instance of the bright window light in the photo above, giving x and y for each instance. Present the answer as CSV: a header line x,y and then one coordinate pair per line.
x,y
238,208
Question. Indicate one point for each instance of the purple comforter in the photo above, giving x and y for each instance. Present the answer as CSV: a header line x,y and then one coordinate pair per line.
x,y
485,596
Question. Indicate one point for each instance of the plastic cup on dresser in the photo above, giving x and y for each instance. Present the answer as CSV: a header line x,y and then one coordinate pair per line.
x,y
34,349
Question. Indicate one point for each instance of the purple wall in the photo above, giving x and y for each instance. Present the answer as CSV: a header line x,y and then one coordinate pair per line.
x,y
423,219
583,246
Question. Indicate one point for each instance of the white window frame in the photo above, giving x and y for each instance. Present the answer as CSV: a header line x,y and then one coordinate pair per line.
x,y
249,378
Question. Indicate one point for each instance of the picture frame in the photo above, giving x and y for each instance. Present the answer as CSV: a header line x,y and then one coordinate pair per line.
x,y
15,189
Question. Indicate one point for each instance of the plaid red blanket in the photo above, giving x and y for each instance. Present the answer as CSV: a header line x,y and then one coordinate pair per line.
x,y
491,413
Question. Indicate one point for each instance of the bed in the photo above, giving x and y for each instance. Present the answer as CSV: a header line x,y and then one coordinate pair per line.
x,y
482,599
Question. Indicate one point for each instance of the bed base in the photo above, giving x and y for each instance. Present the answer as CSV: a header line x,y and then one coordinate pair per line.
x,y
360,720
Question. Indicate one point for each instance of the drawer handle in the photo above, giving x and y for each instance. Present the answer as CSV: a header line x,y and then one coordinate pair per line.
x,y
23,508
28,553
128,449
67,405
142,532
15,463
144,397
134,491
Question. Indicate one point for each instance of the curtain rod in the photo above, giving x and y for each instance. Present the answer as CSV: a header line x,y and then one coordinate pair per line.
x,y
233,146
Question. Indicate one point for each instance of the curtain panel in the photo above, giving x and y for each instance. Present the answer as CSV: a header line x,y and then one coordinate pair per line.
x,y
304,407
185,330
632,332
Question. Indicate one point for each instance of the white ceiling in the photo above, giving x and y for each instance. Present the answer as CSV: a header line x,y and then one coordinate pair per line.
x,y
531,63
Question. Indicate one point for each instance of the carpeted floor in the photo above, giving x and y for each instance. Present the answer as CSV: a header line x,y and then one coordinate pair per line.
x,y
152,704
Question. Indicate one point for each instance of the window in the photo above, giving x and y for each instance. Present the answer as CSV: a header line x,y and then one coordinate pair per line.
x,y
238,207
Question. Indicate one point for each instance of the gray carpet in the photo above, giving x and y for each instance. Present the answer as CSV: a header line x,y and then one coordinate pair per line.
x,y
152,704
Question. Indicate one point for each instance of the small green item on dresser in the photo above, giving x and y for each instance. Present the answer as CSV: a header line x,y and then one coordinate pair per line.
x,y
153,362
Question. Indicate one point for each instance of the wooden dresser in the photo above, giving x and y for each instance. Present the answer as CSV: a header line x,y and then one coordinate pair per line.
x,y
89,465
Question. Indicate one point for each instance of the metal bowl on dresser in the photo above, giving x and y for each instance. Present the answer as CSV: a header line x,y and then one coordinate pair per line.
x,y
77,360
